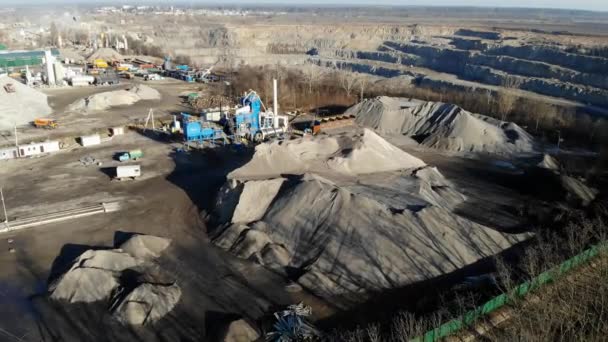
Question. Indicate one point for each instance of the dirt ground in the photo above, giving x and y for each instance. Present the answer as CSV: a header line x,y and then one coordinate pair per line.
x,y
165,201
74,124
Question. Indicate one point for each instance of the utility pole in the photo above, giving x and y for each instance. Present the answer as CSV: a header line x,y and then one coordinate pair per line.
x,y
150,117
4,208
17,142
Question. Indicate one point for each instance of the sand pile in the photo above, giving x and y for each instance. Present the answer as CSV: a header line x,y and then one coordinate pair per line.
x,y
578,190
106,100
127,278
348,154
549,163
145,246
145,93
442,126
20,104
349,235
148,303
107,54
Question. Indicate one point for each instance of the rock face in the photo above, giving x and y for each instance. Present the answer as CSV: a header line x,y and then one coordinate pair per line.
x,y
349,232
480,57
110,275
442,126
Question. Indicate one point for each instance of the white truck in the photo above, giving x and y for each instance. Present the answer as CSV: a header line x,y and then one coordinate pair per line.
x,y
153,77
127,171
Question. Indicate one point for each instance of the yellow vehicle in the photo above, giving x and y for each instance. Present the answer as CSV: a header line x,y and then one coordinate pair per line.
x,y
100,63
45,123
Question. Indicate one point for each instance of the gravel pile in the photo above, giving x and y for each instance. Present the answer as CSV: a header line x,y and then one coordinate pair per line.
x,y
20,104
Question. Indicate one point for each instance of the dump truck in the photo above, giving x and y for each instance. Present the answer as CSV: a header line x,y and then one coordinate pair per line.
x,y
131,155
45,123
127,171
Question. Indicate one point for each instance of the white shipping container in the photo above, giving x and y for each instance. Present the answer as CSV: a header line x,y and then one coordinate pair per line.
x,y
8,153
117,131
90,140
128,171
213,116
38,148
49,146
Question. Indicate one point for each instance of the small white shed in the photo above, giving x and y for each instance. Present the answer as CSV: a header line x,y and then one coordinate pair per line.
x,y
90,140
117,131
8,153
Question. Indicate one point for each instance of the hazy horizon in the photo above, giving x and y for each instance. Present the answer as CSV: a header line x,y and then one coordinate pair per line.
x,y
585,5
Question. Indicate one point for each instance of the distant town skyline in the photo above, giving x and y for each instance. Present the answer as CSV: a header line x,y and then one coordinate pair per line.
x,y
589,5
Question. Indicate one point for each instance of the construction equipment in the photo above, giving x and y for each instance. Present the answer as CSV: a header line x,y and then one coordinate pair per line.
x,y
100,63
203,76
257,126
195,130
107,78
153,77
45,123
131,155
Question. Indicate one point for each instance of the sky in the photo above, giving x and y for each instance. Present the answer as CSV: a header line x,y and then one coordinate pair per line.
x,y
591,5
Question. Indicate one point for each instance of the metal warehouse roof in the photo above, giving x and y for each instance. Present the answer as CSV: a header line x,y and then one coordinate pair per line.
x,y
25,53
17,58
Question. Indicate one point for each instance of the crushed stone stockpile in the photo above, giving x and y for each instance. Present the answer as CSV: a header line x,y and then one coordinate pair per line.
x,y
349,235
125,276
107,54
106,100
20,104
441,125
348,154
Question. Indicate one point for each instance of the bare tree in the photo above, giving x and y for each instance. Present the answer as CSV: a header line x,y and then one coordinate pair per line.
x,y
362,83
54,34
506,103
347,81
512,82
312,74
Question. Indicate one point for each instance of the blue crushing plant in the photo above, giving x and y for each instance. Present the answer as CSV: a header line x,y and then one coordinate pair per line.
x,y
194,130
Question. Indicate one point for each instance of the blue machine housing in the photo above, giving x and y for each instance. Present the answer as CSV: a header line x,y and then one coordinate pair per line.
x,y
251,119
194,130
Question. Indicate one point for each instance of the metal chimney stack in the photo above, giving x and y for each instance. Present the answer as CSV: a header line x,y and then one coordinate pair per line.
x,y
50,73
275,108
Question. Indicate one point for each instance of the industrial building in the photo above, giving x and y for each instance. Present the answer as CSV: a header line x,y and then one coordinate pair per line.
x,y
21,58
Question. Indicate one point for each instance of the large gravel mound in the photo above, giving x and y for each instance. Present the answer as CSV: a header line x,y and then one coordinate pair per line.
x,y
106,100
442,126
347,154
346,225
21,106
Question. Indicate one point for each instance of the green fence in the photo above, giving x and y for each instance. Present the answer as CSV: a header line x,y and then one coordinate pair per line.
x,y
495,303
